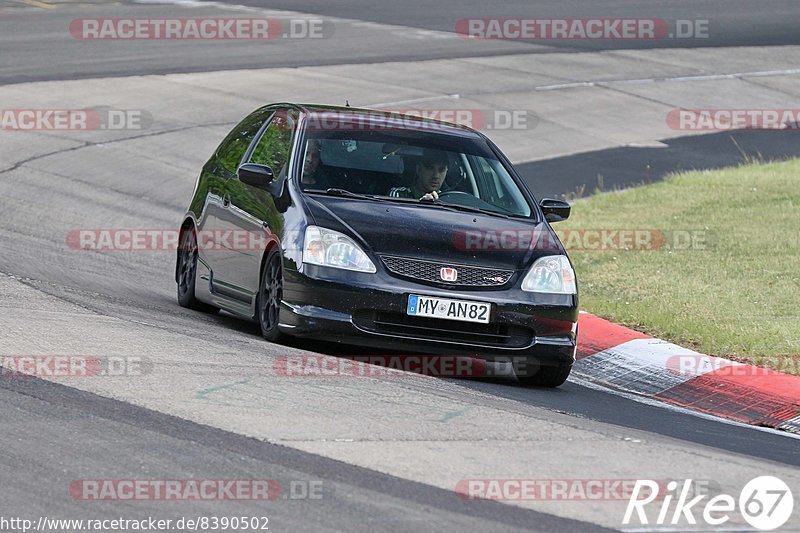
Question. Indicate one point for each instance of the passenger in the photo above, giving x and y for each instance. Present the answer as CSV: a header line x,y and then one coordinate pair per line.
x,y
428,179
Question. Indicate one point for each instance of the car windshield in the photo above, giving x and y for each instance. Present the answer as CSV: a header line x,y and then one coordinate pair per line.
x,y
397,163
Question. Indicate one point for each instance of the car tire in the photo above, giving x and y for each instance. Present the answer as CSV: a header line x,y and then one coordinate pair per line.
x,y
187,273
546,376
270,294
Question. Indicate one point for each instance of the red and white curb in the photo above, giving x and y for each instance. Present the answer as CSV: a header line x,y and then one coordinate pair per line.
x,y
621,358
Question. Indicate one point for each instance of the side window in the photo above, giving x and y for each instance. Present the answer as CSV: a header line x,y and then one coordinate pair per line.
x,y
275,144
498,188
488,181
232,149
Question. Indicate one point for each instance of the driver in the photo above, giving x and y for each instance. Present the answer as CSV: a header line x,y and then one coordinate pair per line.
x,y
430,173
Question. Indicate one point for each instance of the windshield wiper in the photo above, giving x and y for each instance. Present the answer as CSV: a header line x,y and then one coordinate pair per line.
x,y
351,194
446,205
469,209
340,192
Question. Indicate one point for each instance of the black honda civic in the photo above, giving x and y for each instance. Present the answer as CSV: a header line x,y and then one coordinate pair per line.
x,y
381,230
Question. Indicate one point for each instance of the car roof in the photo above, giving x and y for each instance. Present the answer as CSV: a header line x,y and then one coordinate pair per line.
x,y
412,122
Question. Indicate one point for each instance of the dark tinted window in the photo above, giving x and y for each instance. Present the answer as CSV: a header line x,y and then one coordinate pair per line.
x,y
275,144
232,149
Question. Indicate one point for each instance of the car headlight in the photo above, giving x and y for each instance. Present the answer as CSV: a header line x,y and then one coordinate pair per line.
x,y
330,248
552,274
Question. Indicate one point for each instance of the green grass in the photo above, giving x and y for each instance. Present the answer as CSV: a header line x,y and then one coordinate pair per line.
x,y
736,295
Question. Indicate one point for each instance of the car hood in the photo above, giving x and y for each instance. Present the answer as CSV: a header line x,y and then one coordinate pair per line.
x,y
436,234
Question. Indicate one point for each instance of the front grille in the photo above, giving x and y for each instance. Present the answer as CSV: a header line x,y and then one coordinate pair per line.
x,y
493,334
468,276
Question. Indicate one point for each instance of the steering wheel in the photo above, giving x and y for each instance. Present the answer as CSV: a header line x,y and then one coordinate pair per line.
x,y
445,194
472,201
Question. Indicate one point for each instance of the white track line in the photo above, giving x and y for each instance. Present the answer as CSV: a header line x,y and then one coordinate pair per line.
x,y
705,77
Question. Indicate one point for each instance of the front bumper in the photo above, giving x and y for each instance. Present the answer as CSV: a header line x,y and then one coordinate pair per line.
x,y
370,310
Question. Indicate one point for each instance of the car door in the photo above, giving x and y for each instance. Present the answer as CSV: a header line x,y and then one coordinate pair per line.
x,y
251,213
214,224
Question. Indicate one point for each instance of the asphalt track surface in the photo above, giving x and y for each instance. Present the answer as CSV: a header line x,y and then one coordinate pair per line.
x,y
47,51
62,302
731,23
92,428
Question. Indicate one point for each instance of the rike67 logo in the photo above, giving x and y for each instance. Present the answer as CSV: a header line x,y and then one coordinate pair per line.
x,y
765,502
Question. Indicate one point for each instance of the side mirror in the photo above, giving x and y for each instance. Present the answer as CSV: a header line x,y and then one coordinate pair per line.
x,y
258,176
554,210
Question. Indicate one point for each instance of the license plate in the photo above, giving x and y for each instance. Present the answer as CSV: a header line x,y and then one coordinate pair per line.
x,y
464,311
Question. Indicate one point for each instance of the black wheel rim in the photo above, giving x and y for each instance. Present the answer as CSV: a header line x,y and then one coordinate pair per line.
x,y
188,261
271,295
